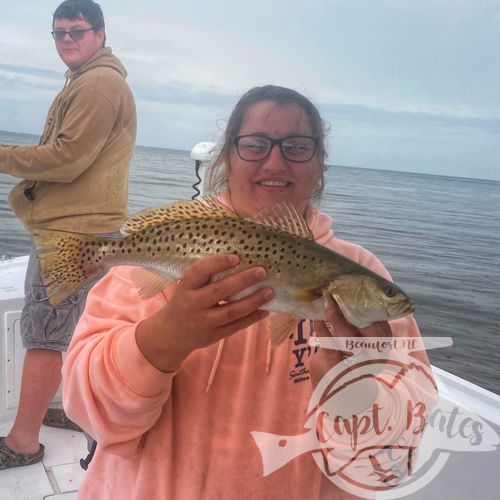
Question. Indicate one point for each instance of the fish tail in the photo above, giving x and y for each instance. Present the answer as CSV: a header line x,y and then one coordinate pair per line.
x,y
68,261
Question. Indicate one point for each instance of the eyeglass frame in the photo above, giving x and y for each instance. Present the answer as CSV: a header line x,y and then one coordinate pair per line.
x,y
55,33
278,142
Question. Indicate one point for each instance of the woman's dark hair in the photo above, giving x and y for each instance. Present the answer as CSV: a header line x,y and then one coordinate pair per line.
x,y
81,9
282,96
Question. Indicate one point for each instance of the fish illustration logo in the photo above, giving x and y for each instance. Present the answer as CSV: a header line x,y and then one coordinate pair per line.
x,y
395,444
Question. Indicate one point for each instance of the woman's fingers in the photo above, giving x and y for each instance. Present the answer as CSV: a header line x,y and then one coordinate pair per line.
x,y
339,325
342,328
321,329
198,302
235,311
378,329
228,286
325,358
199,273
197,278
196,310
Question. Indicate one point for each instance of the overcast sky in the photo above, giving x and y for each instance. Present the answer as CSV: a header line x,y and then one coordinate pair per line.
x,y
409,85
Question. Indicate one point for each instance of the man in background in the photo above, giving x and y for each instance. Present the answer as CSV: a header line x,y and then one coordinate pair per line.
x,y
76,179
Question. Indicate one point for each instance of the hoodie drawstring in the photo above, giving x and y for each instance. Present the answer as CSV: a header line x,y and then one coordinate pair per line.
x,y
269,356
216,363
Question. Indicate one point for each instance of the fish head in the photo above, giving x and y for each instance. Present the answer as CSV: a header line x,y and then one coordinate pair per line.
x,y
366,298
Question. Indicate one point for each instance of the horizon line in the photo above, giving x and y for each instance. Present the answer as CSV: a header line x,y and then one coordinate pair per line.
x,y
411,172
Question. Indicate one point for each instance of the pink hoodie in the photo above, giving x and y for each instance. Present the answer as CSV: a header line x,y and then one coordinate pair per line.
x,y
181,436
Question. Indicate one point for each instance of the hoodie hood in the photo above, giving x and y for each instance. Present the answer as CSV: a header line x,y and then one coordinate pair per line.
x,y
319,223
102,58
321,226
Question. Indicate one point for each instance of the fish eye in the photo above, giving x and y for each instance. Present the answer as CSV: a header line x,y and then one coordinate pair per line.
x,y
390,291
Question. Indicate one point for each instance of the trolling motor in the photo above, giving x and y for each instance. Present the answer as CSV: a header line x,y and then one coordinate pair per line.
x,y
203,152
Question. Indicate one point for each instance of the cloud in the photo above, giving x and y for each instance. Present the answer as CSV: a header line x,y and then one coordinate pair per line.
x,y
177,94
381,117
30,70
413,142
400,82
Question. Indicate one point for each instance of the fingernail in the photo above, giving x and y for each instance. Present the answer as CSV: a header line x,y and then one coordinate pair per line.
x,y
268,294
260,273
233,259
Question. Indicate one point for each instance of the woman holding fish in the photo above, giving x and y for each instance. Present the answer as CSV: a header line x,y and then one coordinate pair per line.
x,y
172,379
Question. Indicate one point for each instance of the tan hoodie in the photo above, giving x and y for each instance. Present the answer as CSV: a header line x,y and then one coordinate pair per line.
x,y
77,178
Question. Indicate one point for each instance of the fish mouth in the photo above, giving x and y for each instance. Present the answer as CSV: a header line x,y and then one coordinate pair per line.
x,y
408,307
404,309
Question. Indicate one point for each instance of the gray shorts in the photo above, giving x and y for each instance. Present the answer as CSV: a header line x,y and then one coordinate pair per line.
x,y
44,326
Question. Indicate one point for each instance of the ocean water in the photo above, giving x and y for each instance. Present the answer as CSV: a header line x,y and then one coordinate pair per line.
x,y
438,236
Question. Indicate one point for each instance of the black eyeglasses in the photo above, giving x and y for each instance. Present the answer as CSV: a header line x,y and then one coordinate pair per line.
x,y
297,148
75,34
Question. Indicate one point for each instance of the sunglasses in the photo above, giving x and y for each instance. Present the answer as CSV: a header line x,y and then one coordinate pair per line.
x,y
75,34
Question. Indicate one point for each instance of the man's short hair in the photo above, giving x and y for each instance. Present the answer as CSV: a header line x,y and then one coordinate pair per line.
x,y
80,9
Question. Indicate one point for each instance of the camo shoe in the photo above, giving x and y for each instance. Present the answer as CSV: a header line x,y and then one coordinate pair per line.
x,y
9,458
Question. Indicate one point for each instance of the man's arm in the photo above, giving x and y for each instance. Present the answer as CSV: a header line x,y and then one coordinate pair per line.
x,y
85,129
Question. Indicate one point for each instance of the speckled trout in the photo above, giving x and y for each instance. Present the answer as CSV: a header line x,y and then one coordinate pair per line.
x,y
306,277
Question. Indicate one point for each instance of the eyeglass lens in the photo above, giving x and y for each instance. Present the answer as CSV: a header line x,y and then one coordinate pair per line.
x,y
75,34
254,147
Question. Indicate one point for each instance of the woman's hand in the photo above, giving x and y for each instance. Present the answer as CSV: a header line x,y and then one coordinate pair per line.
x,y
325,359
195,317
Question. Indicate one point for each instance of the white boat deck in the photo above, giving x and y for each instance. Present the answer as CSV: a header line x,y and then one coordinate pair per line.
x,y
59,474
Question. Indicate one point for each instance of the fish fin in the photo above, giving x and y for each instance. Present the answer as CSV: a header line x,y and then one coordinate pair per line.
x,y
284,217
329,300
63,266
348,312
149,283
218,208
306,294
180,210
281,326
